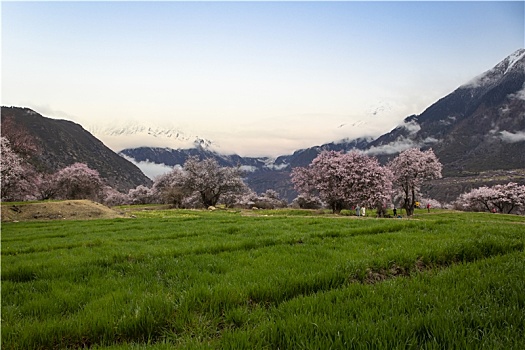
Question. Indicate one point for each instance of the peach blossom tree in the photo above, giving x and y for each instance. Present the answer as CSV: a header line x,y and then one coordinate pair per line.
x,y
503,198
410,169
344,179
78,181
17,176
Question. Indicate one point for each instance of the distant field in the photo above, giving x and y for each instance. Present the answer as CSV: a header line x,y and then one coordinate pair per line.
x,y
284,279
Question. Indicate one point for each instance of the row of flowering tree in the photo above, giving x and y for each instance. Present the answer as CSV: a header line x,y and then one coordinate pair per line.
x,y
337,179
503,198
196,184
355,179
20,181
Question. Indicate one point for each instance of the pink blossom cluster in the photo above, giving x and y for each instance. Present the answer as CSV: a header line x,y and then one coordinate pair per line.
x,y
78,181
267,200
20,181
344,179
11,170
210,180
503,198
410,169
196,184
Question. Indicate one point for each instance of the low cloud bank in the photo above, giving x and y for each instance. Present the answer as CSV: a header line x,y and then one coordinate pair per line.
x,y
248,168
277,166
403,142
509,137
392,148
412,126
150,169
520,95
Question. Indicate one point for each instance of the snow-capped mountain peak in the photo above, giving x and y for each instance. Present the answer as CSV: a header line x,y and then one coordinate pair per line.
x,y
119,136
513,62
513,59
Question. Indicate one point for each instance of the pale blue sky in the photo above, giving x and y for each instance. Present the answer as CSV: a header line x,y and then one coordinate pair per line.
x,y
258,78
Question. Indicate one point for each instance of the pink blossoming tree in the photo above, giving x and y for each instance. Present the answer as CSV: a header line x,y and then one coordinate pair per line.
x,y
141,195
341,179
169,188
11,169
501,198
78,181
112,197
267,200
17,176
211,180
510,196
410,169
205,180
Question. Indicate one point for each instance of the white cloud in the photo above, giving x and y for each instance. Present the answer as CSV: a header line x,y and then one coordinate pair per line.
x,y
277,166
520,95
150,169
248,168
478,81
279,136
509,137
50,112
393,147
430,140
412,126
402,143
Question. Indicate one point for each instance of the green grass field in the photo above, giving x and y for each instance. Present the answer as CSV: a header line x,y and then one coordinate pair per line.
x,y
286,279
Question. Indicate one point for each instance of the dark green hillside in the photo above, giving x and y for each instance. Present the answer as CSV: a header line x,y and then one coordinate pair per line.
x,y
61,143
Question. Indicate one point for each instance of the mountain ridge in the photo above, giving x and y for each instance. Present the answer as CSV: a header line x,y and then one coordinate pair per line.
x,y
478,127
62,143
158,135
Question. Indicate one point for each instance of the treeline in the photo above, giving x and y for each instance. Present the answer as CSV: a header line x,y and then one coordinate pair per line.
x,y
198,184
333,180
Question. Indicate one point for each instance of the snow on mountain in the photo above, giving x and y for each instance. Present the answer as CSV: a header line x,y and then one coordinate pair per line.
x,y
514,58
120,136
477,127
514,61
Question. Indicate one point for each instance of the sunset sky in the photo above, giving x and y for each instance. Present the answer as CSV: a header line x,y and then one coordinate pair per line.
x,y
256,78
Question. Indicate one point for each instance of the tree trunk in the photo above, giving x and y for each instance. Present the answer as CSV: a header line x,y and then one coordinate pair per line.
x,y
411,203
336,206
409,207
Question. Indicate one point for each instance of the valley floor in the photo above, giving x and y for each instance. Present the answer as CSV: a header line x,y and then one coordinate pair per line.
x,y
283,279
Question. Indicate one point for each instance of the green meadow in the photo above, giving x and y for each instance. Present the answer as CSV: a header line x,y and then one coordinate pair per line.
x,y
283,279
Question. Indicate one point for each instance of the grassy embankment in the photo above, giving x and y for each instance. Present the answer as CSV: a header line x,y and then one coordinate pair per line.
x,y
190,279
